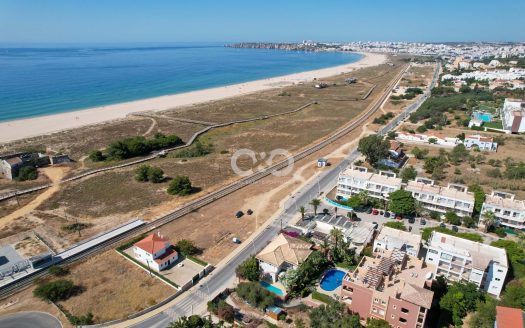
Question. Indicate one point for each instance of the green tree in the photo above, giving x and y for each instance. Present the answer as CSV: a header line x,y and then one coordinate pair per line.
x,y
419,153
180,185
27,173
377,323
458,154
514,295
187,247
96,156
479,197
194,321
485,314
58,271
489,220
255,295
402,202
408,173
452,218
302,210
155,174
399,225
333,315
249,269
374,148
57,290
431,163
141,173
315,203
460,299
516,255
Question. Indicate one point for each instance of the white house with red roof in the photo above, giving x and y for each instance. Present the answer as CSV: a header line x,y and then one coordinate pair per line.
x,y
155,251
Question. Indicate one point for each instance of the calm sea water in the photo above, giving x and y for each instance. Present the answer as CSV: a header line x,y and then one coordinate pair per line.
x,y
40,81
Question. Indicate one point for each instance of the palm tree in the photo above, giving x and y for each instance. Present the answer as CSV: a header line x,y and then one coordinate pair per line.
x,y
315,202
418,208
336,235
363,197
489,219
302,211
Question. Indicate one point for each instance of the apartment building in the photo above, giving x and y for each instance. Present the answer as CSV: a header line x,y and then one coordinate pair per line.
x,y
512,115
460,259
454,198
390,239
392,286
356,179
508,211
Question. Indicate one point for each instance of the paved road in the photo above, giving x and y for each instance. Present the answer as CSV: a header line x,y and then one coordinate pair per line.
x,y
29,320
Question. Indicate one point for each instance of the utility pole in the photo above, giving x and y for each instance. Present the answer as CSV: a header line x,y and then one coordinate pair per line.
x,y
17,201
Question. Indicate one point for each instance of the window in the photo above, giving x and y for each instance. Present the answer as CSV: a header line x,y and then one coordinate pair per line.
x,y
432,251
376,300
402,320
394,306
392,316
430,259
499,270
404,310
497,279
383,302
381,312
374,310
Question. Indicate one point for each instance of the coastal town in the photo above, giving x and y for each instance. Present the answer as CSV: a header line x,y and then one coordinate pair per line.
x,y
182,165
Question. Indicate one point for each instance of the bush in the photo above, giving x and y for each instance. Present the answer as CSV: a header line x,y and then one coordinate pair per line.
x,y
58,270
141,173
180,185
146,173
186,247
419,153
27,173
58,290
396,225
196,150
139,146
249,269
452,218
97,156
255,295
408,173
465,235
225,311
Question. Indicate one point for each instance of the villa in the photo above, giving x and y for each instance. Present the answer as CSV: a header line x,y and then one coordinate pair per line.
x,y
459,259
483,143
392,286
512,115
390,239
435,138
453,198
508,211
357,179
283,253
155,251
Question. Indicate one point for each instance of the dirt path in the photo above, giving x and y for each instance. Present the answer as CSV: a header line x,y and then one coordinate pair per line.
x,y
152,126
54,174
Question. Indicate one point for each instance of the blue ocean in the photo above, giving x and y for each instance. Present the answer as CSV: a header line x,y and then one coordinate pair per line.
x,y
45,80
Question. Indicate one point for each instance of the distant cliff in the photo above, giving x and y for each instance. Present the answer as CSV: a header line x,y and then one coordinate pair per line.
x,y
281,46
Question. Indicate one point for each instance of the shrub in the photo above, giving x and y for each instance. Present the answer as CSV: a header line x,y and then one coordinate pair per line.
x,y
180,185
225,311
255,295
196,150
58,270
57,290
141,173
146,173
249,269
139,146
96,156
452,218
187,247
396,225
27,173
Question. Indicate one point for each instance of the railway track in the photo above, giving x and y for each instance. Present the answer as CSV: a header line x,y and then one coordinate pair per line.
x,y
26,281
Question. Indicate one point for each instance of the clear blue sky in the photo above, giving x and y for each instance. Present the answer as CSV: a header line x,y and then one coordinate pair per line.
x,y
92,21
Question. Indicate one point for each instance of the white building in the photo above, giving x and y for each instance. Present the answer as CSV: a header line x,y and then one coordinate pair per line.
x,y
509,212
357,179
155,251
390,239
283,253
453,198
512,115
427,139
483,143
460,259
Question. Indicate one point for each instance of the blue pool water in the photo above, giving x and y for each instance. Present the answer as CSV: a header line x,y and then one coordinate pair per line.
x,y
272,288
332,279
42,81
485,117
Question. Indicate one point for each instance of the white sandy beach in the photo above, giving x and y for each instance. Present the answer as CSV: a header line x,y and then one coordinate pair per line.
x,y
24,128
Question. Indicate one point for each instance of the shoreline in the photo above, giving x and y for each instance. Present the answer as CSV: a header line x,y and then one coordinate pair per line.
x,y
43,125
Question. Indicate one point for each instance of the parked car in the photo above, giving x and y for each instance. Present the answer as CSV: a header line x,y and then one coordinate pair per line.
x,y
239,214
375,212
369,211
381,212
375,224
399,217
442,225
387,214
423,222
455,228
409,228
249,212
236,240
411,220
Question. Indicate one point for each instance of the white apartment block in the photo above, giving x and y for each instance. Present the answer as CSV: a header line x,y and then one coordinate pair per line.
x,y
483,143
453,198
512,114
356,179
509,212
390,239
460,259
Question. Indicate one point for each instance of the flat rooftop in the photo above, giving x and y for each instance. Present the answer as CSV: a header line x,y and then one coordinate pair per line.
x,y
388,233
372,177
507,203
441,191
481,254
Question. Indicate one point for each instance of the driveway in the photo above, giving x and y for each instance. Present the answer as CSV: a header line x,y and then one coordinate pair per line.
x,y
29,320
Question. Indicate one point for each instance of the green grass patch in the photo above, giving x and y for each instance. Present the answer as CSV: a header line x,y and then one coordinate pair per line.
x,y
465,235
493,125
196,260
322,297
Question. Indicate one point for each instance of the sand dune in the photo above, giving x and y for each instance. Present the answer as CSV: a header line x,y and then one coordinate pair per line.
x,y
24,128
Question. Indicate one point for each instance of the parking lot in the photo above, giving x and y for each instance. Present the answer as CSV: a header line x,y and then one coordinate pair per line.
x,y
183,271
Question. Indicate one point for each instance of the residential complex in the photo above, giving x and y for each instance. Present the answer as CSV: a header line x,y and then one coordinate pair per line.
x,y
390,239
392,286
283,253
453,198
356,179
155,251
483,143
460,259
512,115
508,211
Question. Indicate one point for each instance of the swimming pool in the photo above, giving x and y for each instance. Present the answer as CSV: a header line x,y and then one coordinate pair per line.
x,y
332,280
485,117
272,288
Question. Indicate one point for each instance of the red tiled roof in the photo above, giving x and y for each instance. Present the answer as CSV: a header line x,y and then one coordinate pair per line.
x,y
152,243
166,256
509,317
